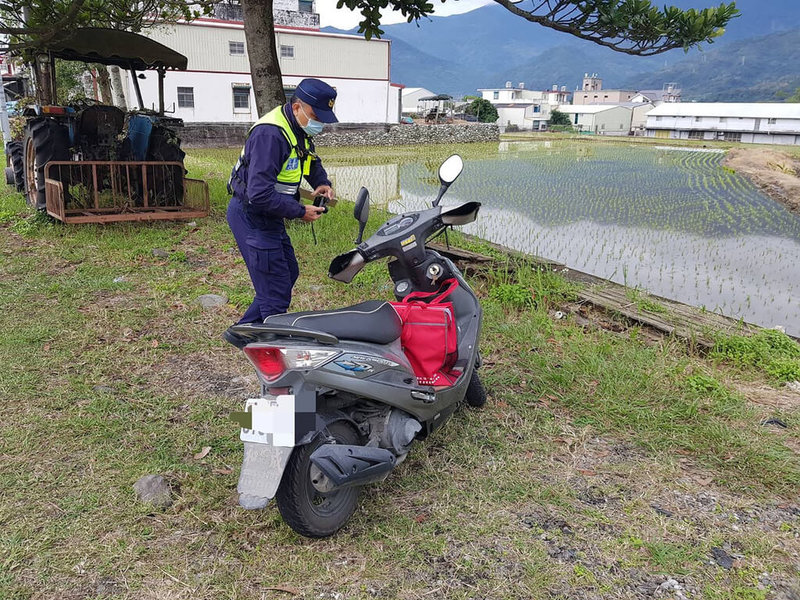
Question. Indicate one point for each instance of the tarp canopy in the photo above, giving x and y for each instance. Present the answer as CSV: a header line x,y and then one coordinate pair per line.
x,y
439,97
114,47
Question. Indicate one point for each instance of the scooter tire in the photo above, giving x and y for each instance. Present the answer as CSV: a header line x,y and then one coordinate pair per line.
x,y
306,510
476,393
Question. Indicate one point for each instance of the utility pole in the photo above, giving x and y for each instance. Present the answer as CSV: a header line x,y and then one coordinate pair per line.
x,y
4,124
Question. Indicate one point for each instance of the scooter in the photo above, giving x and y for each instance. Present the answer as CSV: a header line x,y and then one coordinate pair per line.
x,y
340,403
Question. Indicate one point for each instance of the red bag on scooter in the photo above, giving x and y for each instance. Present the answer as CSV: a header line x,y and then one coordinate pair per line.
x,y
429,337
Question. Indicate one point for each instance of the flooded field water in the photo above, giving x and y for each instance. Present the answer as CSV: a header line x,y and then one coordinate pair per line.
x,y
670,221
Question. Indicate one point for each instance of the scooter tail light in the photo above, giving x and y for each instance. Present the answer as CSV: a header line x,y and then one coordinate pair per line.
x,y
306,358
267,360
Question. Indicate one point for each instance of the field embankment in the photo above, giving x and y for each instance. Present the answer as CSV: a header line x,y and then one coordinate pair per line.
x,y
777,173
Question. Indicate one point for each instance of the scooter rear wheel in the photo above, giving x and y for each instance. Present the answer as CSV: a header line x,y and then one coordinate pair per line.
x,y
306,510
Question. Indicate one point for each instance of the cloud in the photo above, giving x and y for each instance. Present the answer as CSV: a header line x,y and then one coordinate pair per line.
x,y
344,18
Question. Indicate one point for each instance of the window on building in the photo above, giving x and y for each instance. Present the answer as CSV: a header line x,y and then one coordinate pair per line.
x,y
772,121
236,48
288,90
537,108
733,136
287,51
495,95
306,6
697,119
185,97
658,118
723,119
696,135
241,98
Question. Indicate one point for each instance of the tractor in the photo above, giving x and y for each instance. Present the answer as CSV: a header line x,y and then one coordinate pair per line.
x,y
90,162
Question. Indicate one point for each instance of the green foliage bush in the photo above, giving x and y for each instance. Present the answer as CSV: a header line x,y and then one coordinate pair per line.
x,y
770,350
512,294
483,109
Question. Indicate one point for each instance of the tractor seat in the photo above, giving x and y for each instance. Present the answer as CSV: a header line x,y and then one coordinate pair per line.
x,y
374,321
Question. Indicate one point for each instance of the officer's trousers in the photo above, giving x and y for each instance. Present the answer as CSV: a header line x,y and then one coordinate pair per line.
x,y
270,261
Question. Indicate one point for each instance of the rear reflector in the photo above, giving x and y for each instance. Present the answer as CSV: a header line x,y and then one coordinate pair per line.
x,y
54,110
267,360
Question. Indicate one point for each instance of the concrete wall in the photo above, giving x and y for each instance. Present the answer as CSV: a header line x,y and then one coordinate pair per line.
x,y
602,96
613,121
376,134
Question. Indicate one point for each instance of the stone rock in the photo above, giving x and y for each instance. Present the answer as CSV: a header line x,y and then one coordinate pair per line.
x,y
154,490
160,253
794,386
211,300
191,224
722,558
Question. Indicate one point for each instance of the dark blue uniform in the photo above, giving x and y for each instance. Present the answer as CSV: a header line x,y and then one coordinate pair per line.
x,y
256,216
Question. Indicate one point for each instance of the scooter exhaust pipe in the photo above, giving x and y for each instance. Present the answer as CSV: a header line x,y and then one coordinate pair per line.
x,y
341,466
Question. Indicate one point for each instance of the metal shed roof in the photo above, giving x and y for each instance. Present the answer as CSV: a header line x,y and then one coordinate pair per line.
x,y
761,110
115,47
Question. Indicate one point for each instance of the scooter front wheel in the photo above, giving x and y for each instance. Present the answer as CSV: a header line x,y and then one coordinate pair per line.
x,y
476,393
305,509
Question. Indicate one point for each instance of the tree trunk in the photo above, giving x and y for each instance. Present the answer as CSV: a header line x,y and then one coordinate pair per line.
x,y
44,90
87,80
116,87
259,32
104,83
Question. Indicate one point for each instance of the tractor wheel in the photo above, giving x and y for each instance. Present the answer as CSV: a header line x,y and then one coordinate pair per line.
x,y
45,140
14,152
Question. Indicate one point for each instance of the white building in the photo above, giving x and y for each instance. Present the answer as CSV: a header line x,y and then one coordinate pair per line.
x,y
217,86
527,109
411,95
602,119
760,123
669,93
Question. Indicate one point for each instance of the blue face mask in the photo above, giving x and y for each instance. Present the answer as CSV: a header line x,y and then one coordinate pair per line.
x,y
313,127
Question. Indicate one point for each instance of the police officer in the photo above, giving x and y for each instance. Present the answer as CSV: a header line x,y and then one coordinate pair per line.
x,y
265,188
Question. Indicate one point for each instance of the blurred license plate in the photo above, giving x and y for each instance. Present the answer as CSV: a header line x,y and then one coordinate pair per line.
x,y
272,421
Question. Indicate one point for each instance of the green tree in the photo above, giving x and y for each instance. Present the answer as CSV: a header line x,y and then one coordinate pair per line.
x,y
483,109
794,97
28,26
558,118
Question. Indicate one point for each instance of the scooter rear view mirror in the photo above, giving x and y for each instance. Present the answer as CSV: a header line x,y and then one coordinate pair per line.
x,y
449,171
361,212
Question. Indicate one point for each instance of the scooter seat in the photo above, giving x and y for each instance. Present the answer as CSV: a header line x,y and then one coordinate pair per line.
x,y
374,321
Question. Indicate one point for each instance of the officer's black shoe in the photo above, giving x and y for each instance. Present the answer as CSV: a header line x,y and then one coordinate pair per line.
x,y
234,338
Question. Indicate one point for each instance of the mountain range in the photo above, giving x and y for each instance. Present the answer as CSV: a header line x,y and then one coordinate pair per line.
x,y
753,61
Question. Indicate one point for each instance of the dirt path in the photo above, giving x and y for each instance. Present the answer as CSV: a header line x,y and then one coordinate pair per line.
x,y
776,173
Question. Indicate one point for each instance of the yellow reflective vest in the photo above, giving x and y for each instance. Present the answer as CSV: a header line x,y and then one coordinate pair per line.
x,y
296,166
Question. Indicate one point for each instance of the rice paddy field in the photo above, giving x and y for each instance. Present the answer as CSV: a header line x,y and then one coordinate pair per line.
x,y
669,220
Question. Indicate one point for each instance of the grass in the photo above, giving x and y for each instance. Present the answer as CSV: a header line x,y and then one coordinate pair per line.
x,y
112,371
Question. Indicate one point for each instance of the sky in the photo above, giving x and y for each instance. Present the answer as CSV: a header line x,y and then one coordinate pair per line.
x,y
344,18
